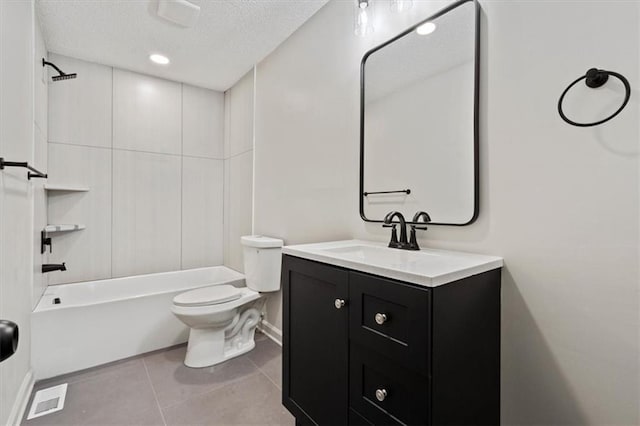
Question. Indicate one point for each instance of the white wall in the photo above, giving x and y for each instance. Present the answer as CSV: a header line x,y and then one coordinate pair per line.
x,y
558,202
151,152
238,168
16,196
40,129
306,130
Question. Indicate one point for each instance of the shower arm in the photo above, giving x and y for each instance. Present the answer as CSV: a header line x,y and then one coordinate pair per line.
x,y
51,64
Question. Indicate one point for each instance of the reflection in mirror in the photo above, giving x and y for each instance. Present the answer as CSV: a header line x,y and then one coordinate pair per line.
x,y
419,129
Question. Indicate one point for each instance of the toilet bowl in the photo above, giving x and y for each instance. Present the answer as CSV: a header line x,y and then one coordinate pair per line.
x,y
223,318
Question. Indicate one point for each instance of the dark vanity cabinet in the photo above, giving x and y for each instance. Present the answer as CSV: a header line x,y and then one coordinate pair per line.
x,y
362,349
316,376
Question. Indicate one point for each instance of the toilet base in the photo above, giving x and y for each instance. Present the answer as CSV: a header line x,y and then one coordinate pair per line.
x,y
214,345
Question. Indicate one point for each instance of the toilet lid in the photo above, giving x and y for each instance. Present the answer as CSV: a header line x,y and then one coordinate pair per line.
x,y
212,295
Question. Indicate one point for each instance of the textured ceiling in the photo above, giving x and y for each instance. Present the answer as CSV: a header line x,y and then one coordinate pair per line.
x,y
228,38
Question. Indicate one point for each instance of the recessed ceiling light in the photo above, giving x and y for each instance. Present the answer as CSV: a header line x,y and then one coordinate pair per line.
x,y
159,59
426,28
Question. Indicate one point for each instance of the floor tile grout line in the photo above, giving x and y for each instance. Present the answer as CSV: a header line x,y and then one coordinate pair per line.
x,y
153,389
257,372
215,389
55,381
264,374
269,379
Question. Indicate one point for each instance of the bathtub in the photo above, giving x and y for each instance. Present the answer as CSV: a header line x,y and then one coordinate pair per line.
x,y
97,322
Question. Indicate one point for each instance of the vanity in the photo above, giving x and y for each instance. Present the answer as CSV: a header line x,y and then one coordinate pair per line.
x,y
388,334
374,335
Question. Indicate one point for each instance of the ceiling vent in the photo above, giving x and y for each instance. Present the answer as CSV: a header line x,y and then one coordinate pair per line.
x,y
181,12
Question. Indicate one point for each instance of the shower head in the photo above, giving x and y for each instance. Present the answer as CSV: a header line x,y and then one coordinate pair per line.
x,y
62,76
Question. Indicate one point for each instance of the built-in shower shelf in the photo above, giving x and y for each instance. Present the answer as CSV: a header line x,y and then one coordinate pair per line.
x,y
63,228
65,188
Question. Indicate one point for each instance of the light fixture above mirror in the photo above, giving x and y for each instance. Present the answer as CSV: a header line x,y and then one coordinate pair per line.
x,y
363,17
399,6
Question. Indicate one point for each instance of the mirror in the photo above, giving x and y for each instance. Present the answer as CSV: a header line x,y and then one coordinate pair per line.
x,y
419,120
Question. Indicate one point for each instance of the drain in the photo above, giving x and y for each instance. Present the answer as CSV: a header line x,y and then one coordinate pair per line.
x,y
47,401
57,301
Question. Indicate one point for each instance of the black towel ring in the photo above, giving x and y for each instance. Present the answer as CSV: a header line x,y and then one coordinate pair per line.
x,y
595,78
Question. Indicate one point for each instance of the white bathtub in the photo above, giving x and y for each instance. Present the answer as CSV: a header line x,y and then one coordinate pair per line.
x,y
102,321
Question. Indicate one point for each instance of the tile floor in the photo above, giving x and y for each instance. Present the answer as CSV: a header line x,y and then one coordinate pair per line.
x,y
157,389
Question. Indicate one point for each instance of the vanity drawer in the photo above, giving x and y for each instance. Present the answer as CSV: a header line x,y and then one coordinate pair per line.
x,y
383,392
391,318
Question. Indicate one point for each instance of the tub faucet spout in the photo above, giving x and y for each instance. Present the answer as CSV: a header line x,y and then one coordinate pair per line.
x,y
50,267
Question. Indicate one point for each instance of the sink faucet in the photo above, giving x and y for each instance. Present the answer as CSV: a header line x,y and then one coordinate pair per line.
x,y
402,244
413,242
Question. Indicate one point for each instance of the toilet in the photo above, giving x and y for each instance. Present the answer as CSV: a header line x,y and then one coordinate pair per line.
x,y
223,318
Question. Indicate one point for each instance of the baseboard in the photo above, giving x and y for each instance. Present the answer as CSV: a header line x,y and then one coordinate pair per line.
x,y
272,332
21,401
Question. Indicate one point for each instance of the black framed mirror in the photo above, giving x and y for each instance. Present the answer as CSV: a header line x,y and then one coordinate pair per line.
x,y
419,97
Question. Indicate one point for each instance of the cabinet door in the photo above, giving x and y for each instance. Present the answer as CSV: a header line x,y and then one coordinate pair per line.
x,y
315,346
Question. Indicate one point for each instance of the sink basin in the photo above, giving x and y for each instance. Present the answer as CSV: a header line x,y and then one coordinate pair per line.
x,y
427,267
380,255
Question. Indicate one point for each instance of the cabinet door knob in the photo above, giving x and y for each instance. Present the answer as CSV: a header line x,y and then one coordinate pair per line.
x,y
381,318
339,303
381,394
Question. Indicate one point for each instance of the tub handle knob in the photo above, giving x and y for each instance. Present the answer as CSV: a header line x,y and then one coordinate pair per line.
x,y
8,339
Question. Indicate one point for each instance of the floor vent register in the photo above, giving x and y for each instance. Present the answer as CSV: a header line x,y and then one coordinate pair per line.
x,y
48,401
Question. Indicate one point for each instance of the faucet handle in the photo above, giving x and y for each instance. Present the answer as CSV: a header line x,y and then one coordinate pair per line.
x,y
413,241
44,242
421,215
394,234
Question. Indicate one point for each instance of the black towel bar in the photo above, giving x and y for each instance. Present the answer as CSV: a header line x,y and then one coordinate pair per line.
x,y
406,191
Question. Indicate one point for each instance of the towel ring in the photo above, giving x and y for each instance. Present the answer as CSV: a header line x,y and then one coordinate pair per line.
x,y
595,78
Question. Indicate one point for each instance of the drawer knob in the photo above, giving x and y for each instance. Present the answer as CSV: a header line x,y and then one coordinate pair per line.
x,y
381,318
381,394
339,303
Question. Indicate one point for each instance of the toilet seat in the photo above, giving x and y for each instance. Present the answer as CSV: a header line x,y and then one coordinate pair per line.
x,y
246,296
206,296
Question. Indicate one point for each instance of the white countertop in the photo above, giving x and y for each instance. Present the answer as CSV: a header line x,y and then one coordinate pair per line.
x,y
426,267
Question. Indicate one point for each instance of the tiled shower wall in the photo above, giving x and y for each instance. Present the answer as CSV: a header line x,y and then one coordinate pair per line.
x,y
151,152
40,78
238,168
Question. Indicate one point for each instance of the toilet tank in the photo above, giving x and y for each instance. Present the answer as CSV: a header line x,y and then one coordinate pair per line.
x,y
262,262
